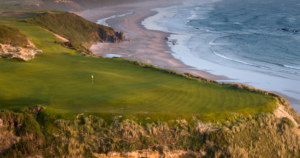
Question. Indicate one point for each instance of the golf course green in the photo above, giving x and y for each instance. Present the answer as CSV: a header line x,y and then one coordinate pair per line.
x,y
60,79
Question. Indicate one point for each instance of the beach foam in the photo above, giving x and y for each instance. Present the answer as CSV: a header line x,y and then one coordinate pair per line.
x,y
103,21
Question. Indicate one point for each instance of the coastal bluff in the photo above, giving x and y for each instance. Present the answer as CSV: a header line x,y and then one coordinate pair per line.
x,y
76,28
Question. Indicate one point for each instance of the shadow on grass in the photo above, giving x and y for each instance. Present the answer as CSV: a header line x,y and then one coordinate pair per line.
x,y
17,103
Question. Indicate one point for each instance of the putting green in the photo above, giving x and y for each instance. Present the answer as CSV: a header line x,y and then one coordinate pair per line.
x,y
61,80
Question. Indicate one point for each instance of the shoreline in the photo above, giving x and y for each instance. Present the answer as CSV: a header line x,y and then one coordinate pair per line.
x,y
151,47
146,45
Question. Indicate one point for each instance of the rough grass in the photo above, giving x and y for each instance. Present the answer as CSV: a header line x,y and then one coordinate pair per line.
x,y
62,82
262,135
73,27
12,36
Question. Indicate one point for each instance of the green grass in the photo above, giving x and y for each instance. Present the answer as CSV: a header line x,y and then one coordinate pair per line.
x,y
12,36
73,27
60,79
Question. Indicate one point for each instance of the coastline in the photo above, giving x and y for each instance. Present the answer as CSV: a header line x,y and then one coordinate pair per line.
x,y
145,45
150,46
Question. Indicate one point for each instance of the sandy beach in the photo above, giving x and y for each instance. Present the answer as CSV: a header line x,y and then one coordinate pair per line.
x,y
145,45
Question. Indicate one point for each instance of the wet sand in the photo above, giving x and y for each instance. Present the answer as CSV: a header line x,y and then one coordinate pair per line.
x,y
145,45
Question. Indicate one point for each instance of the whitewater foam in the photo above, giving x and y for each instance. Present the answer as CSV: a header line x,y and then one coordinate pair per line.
x,y
292,67
103,21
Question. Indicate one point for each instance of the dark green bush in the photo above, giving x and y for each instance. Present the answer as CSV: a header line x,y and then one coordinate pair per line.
x,y
218,137
22,149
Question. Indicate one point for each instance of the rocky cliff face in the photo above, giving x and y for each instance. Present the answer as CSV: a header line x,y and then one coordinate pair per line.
x,y
115,38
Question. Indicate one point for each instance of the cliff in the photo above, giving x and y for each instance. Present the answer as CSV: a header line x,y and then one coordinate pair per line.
x,y
80,32
37,133
76,28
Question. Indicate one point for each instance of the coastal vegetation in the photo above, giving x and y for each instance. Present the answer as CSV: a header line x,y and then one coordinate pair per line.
x,y
34,132
12,36
52,107
81,33
72,27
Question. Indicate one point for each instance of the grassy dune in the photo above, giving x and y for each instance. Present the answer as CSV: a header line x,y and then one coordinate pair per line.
x,y
60,79
12,36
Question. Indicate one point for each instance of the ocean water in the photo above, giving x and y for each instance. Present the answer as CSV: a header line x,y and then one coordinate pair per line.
x,y
250,41
255,35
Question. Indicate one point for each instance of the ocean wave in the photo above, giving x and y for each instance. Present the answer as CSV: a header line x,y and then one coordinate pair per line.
x,y
262,67
103,21
291,67
194,16
222,56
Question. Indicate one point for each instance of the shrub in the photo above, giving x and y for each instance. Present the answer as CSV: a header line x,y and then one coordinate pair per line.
x,y
287,121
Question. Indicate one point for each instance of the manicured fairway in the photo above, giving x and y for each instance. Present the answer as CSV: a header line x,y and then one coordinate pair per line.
x,y
61,80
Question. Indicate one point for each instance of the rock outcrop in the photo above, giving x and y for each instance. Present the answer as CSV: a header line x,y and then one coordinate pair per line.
x,y
116,37
18,53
